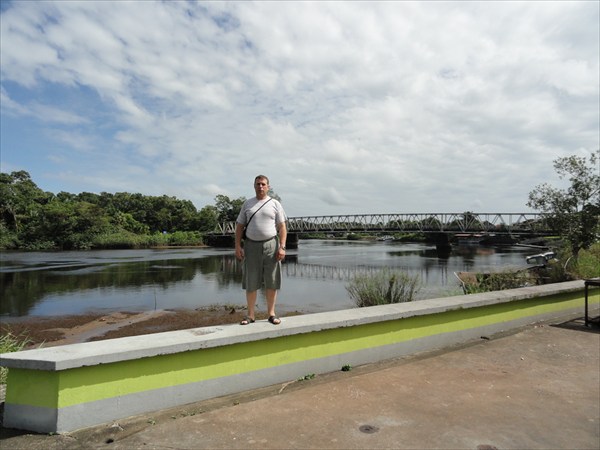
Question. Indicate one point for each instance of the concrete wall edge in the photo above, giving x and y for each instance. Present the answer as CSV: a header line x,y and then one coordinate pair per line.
x,y
145,346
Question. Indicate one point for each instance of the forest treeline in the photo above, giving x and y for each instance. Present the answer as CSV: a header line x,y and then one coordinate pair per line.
x,y
33,219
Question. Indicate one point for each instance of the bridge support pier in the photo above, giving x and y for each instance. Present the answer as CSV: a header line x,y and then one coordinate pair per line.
x,y
442,244
220,240
292,240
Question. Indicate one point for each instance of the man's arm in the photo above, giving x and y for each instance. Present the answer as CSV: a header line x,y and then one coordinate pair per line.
x,y
239,251
282,232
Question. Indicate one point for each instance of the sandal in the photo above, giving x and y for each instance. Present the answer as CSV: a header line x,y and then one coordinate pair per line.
x,y
246,321
274,320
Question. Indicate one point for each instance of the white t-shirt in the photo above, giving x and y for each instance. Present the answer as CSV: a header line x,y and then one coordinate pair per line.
x,y
264,223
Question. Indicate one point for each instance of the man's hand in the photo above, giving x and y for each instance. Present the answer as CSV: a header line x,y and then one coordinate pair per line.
x,y
239,253
280,255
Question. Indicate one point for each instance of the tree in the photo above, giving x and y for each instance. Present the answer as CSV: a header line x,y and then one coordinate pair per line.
x,y
228,209
126,222
33,219
208,218
20,200
574,212
70,225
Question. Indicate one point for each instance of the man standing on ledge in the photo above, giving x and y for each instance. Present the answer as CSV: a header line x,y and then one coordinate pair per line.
x,y
264,247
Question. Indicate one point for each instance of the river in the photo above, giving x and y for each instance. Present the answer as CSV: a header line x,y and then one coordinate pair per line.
x,y
315,276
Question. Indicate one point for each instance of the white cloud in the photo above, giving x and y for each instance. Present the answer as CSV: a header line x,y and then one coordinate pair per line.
x,y
74,140
349,107
39,111
332,197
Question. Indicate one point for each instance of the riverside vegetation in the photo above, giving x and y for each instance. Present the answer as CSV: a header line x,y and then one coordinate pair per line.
x,y
32,219
381,288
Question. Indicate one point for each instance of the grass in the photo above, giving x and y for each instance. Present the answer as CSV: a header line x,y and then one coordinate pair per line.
x,y
588,262
10,343
498,281
308,376
124,239
382,288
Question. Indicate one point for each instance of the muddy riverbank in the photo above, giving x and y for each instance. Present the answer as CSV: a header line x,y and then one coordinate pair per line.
x,y
52,331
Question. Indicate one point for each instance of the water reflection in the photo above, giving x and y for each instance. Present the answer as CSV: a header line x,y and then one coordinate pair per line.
x,y
22,290
315,276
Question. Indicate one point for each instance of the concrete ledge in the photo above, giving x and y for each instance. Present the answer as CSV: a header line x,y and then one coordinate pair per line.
x,y
65,388
136,347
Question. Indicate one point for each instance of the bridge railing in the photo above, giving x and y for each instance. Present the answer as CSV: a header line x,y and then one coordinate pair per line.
x,y
501,223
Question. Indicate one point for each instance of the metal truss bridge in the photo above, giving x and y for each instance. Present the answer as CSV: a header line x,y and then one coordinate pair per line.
x,y
451,223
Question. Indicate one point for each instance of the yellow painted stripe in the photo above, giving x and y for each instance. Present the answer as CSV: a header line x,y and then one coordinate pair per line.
x,y
92,383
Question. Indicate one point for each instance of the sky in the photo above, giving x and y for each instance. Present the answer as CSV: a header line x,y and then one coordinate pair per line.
x,y
348,107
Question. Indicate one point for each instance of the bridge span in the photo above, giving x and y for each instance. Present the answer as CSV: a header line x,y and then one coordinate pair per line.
x,y
448,223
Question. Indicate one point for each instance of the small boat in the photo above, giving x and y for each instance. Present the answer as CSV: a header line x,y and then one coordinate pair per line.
x,y
541,259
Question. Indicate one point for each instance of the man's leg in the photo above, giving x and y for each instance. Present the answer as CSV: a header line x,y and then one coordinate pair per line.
x,y
251,302
271,298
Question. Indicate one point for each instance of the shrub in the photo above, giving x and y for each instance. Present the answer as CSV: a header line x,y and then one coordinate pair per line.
x,y
383,288
185,238
39,246
77,241
584,266
498,281
8,238
118,240
588,262
553,272
10,343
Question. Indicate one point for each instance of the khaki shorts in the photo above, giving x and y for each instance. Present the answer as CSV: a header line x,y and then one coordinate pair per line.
x,y
261,268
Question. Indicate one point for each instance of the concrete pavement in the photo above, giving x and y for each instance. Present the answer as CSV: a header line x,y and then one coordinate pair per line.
x,y
535,389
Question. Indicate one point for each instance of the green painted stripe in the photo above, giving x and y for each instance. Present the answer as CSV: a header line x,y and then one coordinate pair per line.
x,y
92,383
32,387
